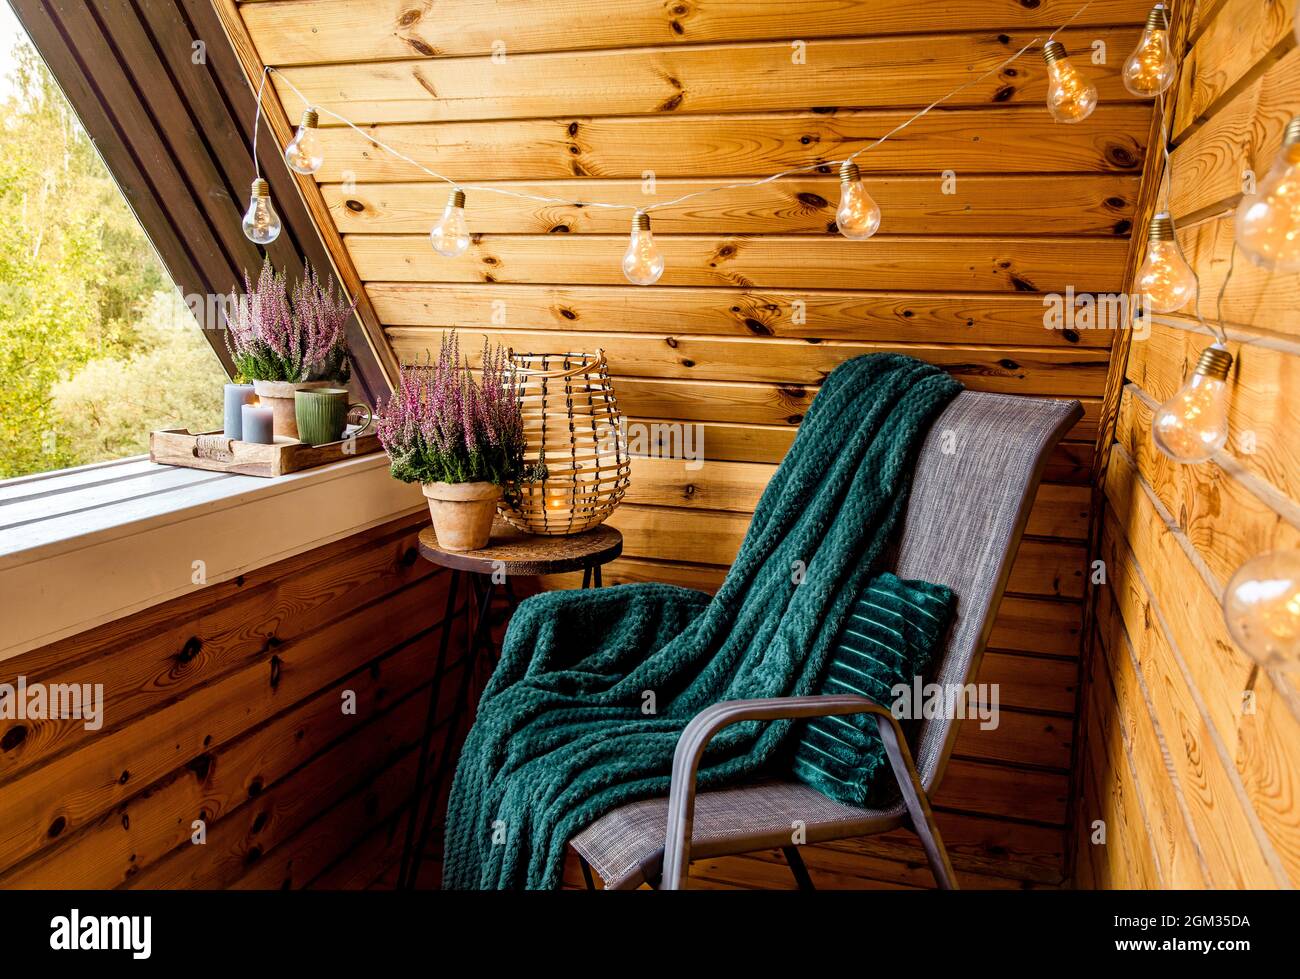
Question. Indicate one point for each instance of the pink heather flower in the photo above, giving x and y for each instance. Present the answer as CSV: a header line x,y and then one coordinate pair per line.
x,y
273,338
443,424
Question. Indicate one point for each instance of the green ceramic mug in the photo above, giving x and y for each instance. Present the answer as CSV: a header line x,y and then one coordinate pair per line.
x,y
322,414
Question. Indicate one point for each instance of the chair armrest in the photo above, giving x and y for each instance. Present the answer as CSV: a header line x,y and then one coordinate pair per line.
x,y
708,722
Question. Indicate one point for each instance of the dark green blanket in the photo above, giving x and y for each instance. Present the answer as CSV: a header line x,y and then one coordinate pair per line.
x,y
562,734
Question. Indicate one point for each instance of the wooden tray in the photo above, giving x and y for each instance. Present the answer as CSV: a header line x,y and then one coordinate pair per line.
x,y
212,450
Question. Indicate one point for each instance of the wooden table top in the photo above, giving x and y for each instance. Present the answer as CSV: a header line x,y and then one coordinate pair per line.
x,y
518,553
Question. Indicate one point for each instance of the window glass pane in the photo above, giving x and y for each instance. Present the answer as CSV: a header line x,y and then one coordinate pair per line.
x,y
96,346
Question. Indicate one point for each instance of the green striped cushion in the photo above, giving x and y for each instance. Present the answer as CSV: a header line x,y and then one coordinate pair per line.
x,y
893,631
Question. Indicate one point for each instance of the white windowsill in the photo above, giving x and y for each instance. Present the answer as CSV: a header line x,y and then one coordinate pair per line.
x,y
84,546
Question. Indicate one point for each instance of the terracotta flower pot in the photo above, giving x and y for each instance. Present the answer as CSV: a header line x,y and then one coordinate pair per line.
x,y
462,513
279,395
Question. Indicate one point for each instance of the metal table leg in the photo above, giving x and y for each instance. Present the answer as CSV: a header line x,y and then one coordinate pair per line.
x,y
480,638
478,630
404,879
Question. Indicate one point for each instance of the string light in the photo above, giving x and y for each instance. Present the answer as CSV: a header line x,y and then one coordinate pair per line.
x,y
858,216
304,153
642,262
1151,68
1165,280
450,236
819,166
1070,97
261,223
1268,221
1193,425
1261,607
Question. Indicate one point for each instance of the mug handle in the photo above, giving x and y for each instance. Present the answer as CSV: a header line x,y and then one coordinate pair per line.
x,y
370,418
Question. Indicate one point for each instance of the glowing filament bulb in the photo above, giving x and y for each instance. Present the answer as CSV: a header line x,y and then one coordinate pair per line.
x,y
642,263
1165,280
1268,221
1261,606
304,153
450,236
1070,96
858,216
1193,425
1151,68
261,223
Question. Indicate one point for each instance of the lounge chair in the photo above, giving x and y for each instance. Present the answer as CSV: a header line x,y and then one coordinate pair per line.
x,y
976,477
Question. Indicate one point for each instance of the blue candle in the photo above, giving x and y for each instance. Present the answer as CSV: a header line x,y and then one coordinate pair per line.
x,y
237,395
257,423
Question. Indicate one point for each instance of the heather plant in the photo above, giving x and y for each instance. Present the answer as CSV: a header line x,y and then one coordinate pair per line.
x,y
443,426
273,337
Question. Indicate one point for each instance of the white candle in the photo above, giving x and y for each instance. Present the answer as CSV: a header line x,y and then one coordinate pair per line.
x,y
237,395
258,421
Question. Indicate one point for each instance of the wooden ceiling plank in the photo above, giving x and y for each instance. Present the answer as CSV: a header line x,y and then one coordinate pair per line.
x,y
878,317
1030,204
888,73
1017,139
959,264
314,31
1017,370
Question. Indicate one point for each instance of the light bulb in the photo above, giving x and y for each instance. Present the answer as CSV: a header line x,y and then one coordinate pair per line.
x,y
1261,606
858,216
1165,281
642,262
261,223
1193,424
304,154
450,236
1070,96
1268,221
1151,68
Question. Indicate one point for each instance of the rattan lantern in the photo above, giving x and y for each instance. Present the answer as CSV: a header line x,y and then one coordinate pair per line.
x,y
573,426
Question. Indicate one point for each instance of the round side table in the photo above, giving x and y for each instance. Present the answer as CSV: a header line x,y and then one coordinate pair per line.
x,y
489,572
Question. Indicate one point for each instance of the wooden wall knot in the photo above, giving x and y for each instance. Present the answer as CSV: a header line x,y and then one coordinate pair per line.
x,y
193,645
15,736
276,663
201,766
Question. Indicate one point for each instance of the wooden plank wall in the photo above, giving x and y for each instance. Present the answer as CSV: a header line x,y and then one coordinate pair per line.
x,y
227,706
1192,754
761,298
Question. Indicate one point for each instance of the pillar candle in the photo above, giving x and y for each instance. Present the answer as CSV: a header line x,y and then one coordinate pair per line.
x,y
257,423
237,395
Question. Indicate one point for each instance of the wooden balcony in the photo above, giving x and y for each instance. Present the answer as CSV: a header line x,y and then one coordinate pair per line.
x,y
273,710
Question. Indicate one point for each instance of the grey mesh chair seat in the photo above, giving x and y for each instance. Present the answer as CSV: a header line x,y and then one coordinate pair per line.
x,y
626,846
976,476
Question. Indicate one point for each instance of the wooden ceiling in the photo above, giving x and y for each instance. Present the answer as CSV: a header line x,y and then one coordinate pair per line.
x,y
698,93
